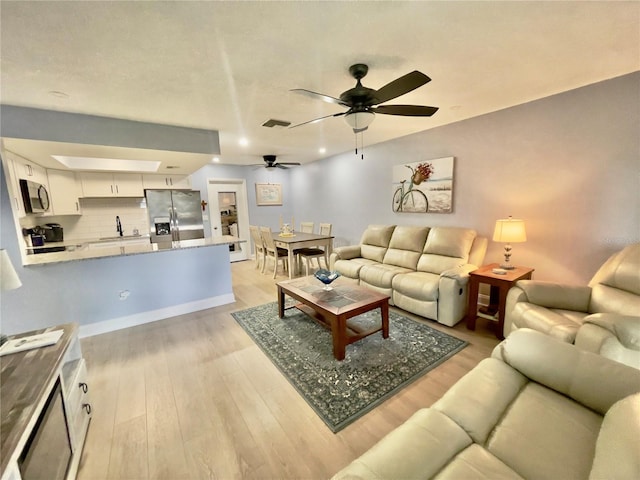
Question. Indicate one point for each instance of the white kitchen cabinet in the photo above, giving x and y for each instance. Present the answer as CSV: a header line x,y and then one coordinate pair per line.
x,y
64,192
53,403
111,184
18,168
166,181
29,170
13,186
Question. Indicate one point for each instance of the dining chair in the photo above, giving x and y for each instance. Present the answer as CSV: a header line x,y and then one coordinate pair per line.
x,y
272,251
306,227
258,245
308,254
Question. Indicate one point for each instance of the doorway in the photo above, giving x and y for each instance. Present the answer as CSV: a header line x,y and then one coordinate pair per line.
x,y
229,213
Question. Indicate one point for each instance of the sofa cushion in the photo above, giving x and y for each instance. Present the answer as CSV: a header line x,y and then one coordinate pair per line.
x,y
607,299
406,246
544,434
380,275
450,242
617,449
375,241
621,271
613,336
351,268
446,248
474,462
558,323
418,285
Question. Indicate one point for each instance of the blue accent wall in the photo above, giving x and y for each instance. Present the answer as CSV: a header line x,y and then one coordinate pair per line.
x,y
567,164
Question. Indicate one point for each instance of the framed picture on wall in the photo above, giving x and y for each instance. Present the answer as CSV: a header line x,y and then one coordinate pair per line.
x,y
423,187
268,194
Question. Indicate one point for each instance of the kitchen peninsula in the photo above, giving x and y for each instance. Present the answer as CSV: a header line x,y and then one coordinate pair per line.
x,y
119,287
115,247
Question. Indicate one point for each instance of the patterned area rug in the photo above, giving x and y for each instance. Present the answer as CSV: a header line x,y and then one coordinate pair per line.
x,y
374,368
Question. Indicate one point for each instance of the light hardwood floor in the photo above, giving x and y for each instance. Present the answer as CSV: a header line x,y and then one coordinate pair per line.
x,y
192,397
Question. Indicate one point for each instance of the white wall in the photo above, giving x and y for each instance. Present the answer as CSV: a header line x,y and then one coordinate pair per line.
x,y
568,165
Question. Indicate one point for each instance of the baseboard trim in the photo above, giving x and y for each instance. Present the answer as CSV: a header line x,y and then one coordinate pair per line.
x,y
114,324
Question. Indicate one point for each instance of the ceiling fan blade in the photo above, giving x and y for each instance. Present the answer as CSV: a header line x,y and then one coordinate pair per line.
x,y
289,163
319,96
400,86
405,110
318,119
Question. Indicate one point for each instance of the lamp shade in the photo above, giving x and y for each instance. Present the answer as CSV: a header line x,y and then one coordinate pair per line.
x,y
509,230
8,276
359,120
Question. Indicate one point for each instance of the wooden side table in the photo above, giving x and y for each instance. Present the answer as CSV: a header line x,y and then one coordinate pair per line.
x,y
500,285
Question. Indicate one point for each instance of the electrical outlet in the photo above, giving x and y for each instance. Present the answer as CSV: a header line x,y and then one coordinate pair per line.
x,y
124,294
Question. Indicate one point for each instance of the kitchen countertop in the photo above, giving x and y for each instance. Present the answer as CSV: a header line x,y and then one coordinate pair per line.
x,y
81,251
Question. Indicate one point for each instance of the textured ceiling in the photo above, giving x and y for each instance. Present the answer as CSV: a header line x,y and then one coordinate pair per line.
x,y
229,66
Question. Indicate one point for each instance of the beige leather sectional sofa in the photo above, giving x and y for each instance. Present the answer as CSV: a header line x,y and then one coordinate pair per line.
x,y
539,408
423,270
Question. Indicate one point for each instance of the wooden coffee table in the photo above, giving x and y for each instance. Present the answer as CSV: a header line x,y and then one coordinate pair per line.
x,y
333,308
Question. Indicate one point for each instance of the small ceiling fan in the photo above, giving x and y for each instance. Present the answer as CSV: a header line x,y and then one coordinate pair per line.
x,y
363,103
270,162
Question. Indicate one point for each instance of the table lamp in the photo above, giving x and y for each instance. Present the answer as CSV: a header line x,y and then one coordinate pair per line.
x,y
509,230
9,279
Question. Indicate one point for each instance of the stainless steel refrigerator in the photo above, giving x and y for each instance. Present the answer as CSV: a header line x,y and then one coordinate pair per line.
x,y
174,215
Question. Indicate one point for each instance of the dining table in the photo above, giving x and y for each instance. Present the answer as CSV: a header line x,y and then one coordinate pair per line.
x,y
295,240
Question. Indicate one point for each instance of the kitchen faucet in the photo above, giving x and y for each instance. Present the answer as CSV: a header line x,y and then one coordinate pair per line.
x,y
118,225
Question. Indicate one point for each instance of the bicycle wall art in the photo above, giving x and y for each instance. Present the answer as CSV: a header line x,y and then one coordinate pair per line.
x,y
423,187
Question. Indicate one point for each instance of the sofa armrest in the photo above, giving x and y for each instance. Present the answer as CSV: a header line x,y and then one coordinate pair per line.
x,y
590,379
459,274
347,252
617,450
555,295
419,448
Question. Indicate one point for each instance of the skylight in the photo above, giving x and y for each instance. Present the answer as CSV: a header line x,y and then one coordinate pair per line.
x,y
108,164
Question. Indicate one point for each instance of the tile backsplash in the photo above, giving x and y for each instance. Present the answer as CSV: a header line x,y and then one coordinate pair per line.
x,y
98,219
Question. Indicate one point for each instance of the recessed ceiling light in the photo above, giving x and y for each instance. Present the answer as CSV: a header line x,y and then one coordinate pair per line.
x,y
215,159
108,164
243,141
322,150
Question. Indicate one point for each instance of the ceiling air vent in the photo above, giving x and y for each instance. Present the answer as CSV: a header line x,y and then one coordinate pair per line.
x,y
272,122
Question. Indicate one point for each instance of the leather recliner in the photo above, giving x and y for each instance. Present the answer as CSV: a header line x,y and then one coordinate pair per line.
x,y
561,310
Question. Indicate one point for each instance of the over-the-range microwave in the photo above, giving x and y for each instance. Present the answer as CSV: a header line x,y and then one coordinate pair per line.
x,y
34,196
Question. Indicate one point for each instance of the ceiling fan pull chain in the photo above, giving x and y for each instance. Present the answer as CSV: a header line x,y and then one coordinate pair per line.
x,y
362,145
356,136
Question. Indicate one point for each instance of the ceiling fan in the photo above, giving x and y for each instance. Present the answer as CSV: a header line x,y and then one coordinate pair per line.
x,y
270,162
363,103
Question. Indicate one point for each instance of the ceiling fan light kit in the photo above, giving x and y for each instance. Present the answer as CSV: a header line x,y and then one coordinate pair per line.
x,y
362,100
359,121
363,103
